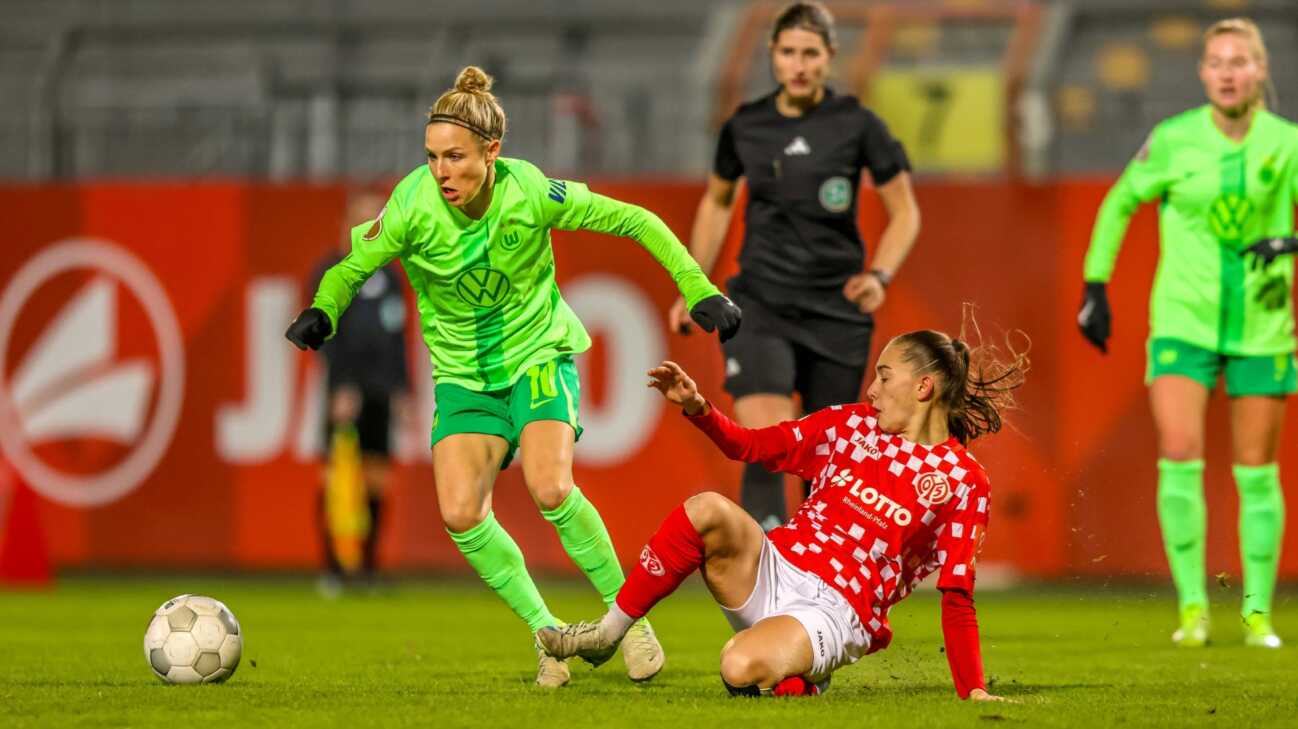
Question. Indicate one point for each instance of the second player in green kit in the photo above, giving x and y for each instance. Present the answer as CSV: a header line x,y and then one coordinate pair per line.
x,y
1225,176
472,231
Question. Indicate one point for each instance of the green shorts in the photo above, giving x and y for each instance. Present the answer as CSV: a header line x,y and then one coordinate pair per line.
x,y
549,391
1266,375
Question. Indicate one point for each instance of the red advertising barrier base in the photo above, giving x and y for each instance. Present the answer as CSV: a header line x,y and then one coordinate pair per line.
x,y
24,557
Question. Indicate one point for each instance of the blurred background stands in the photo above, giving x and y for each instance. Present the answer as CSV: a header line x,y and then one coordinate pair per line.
x,y
291,89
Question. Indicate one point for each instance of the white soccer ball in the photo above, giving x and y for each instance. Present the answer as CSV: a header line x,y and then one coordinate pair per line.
x,y
193,639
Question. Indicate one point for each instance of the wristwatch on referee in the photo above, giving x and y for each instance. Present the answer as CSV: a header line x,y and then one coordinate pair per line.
x,y
884,277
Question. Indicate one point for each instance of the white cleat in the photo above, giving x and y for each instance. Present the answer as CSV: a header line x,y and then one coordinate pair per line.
x,y
1193,632
642,652
551,672
584,640
1258,632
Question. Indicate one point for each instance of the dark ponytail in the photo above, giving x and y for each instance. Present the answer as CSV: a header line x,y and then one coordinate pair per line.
x,y
976,383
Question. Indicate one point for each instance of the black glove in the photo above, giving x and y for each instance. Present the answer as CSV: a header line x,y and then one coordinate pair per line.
x,y
1268,249
309,329
719,313
1094,319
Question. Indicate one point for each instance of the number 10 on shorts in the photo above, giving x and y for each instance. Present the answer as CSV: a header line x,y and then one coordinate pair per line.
x,y
544,387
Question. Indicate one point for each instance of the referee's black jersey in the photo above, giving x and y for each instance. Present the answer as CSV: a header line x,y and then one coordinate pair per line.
x,y
369,350
803,176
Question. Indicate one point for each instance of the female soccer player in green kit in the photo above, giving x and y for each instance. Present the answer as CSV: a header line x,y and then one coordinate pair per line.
x,y
472,231
1226,176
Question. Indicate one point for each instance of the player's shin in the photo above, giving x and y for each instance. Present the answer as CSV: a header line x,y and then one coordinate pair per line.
x,y
585,539
673,552
1261,525
1181,514
499,562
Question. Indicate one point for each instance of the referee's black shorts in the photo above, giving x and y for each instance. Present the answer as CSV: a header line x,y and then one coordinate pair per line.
x,y
765,357
373,425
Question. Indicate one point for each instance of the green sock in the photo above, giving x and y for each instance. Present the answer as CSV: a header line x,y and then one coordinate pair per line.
x,y
584,537
1261,525
499,562
1181,514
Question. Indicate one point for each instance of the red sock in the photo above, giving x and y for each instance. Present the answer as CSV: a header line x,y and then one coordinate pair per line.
x,y
672,554
795,686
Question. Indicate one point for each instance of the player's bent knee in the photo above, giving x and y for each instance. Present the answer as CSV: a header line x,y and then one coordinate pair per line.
x,y
707,510
740,667
550,493
461,518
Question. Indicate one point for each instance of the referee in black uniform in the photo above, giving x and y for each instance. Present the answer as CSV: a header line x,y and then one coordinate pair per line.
x,y
806,292
367,380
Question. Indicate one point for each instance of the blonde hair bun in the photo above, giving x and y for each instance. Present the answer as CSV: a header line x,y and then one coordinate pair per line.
x,y
470,104
473,80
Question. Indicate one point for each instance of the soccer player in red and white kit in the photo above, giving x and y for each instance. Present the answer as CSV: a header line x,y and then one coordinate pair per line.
x,y
895,496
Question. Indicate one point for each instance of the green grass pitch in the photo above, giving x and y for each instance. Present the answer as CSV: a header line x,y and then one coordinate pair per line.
x,y
447,653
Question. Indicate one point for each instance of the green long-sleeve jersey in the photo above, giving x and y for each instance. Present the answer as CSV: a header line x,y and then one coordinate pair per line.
x,y
1216,196
485,290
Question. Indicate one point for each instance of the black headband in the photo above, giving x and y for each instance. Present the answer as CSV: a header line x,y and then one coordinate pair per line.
x,y
451,119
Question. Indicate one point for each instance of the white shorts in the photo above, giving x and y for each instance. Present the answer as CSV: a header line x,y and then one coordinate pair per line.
x,y
837,637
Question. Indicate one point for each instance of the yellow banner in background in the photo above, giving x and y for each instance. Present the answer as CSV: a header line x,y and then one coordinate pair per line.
x,y
949,119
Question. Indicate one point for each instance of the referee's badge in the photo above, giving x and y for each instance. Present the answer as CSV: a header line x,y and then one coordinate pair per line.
x,y
836,194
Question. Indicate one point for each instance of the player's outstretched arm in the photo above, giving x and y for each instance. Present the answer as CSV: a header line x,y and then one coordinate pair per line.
x,y
711,221
781,447
374,244
963,650
678,388
709,308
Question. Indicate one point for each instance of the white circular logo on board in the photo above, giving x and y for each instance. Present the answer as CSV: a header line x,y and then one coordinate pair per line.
x,y
70,383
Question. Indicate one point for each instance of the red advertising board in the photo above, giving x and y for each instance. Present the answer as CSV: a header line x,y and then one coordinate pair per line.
x,y
148,396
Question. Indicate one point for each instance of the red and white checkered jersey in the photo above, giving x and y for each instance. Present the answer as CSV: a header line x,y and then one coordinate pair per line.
x,y
883,513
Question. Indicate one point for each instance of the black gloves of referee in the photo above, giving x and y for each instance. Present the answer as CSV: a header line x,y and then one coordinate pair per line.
x,y
309,329
1265,251
719,313
1095,319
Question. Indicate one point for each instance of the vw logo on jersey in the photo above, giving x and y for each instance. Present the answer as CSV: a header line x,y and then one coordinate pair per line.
x,y
1228,215
483,287
932,489
836,194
